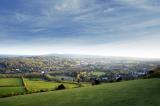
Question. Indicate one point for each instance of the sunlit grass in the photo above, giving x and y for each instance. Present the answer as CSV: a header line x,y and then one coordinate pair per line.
x,y
127,93
10,82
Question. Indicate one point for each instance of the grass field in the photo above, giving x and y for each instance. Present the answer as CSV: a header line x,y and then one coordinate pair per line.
x,y
11,90
11,86
66,78
38,84
4,82
97,73
144,92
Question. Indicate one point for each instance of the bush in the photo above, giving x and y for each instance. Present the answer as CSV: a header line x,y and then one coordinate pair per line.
x,y
61,87
119,79
95,82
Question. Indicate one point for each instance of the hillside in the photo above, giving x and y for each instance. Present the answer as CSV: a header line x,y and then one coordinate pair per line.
x,y
145,92
155,73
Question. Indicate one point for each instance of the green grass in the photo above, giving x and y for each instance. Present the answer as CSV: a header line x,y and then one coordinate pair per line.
x,y
86,84
37,85
11,90
68,78
144,92
98,73
4,82
11,86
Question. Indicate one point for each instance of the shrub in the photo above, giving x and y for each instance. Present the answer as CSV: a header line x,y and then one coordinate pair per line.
x,y
119,79
61,87
95,82
42,90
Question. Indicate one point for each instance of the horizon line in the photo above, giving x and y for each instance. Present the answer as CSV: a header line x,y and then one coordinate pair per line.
x,y
47,54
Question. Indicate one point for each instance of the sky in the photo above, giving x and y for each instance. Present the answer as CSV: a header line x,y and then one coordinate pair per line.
x,y
97,27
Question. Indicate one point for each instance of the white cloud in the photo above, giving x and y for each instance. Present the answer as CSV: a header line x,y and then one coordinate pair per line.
x,y
142,25
142,4
21,17
68,5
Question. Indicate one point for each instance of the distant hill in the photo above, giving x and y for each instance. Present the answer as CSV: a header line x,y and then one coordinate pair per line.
x,y
145,92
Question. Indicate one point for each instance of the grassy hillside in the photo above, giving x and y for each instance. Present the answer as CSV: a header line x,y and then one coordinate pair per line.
x,y
144,92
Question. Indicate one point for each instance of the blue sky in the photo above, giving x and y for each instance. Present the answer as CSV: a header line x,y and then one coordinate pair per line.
x,y
98,27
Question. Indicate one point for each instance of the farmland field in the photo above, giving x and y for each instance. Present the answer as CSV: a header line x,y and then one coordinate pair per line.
x,y
15,86
38,84
64,77
97,73
4,82
145,92
11,90
11,86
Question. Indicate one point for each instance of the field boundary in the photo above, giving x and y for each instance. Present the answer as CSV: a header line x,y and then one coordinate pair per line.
x,y
24,84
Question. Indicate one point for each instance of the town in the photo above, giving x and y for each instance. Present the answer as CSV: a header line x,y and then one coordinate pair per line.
x,y
68,67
